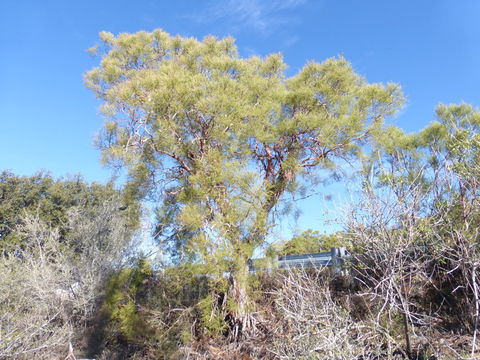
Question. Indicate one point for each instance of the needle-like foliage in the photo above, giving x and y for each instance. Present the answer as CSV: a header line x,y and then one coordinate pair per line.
x,y
220,139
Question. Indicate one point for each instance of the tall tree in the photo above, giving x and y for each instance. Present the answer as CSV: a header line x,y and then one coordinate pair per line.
x,y
221,139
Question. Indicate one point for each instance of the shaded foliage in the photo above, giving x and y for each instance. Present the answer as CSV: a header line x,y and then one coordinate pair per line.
x,y
51,200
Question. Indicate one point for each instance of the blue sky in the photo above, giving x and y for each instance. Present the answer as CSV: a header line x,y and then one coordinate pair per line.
x,y
48,118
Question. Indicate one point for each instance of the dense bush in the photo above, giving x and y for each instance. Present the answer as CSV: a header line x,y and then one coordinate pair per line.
x,y
52,201
49,290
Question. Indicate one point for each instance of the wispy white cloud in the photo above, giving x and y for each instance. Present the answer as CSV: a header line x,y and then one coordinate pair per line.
x,y
261,15
290,41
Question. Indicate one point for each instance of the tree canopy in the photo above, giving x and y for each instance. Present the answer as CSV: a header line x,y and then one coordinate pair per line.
x,y
309,241
220,139
51,200
440,162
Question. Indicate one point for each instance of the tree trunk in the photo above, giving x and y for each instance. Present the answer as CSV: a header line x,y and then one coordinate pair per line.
x,y
242,306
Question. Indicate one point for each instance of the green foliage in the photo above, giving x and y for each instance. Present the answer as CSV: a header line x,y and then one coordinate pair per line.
x,y
440,163
212,316
173,301
185,286
161,313
120,299
51,200
221,139
311,241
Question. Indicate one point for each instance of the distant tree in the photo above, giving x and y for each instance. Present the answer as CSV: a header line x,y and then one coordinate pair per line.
x,y
222,139
310,241
50,199
440,162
